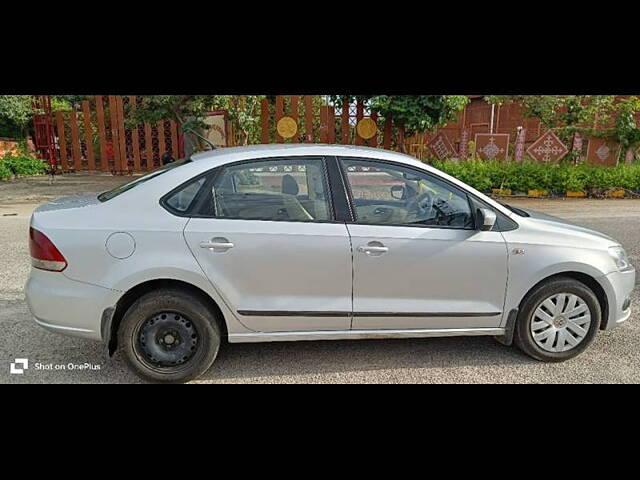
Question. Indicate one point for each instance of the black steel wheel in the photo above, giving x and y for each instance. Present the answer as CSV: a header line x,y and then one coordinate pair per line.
x,y
169,336
167,339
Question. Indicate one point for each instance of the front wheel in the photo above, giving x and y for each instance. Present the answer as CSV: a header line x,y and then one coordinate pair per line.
x,y
558,320
169,336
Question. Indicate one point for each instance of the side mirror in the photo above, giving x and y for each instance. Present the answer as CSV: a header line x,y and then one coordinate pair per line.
x,y
398,192
486,219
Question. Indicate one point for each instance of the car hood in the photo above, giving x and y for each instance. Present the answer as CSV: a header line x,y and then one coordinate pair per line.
x,y
543,220
72,201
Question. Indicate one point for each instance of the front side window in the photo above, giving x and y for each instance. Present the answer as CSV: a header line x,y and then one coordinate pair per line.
x,y
389,194
283,189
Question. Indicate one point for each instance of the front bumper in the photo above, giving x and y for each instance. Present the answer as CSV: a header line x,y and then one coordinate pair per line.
x,y
67,306
618,287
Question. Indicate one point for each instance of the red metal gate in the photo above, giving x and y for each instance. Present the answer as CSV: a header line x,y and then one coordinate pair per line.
x,y
44,130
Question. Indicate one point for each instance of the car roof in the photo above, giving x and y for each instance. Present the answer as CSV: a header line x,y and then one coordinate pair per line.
x,y
230,154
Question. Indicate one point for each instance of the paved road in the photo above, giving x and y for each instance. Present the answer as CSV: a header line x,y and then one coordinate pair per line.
x,y
612,358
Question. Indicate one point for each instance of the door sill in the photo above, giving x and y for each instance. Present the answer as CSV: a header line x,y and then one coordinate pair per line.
x,y
360,334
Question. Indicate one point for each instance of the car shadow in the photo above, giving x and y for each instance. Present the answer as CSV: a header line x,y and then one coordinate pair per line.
x,y
284,361
345,361
305,361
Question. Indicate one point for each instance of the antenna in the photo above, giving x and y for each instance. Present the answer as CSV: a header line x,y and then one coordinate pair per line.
x,y
213,147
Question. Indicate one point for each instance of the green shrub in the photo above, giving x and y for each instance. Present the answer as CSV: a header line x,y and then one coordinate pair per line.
x,y
527,176
601,178
629,176
21,164
473,172
5,173
530,175
569,178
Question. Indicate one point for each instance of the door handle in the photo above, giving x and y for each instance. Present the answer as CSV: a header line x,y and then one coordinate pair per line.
x,y
373,248
217,245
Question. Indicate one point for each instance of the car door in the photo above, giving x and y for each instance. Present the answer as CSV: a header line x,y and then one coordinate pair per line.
x,y
418,261
266,237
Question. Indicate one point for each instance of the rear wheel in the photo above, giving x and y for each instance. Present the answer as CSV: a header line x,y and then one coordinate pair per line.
x,y
169,336
558,320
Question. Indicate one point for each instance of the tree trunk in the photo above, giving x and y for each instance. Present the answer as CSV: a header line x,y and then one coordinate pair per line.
x,y
401,134
193,143
629,156
30,141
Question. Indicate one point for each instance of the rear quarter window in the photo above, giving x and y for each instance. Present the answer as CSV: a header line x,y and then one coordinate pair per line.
x,y
106,196
181,200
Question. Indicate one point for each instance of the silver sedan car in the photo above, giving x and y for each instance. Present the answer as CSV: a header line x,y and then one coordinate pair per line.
x,y
313,242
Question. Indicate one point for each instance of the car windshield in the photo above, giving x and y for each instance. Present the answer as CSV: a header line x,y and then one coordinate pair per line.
x,y
103,197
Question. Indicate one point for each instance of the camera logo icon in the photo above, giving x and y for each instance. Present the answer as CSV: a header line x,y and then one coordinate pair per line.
x,y
19,366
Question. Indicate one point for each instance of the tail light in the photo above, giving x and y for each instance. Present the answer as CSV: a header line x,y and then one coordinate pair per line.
x,y
44,254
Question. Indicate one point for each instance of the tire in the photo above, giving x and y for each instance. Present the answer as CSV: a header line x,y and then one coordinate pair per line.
x,y
169,336
531,320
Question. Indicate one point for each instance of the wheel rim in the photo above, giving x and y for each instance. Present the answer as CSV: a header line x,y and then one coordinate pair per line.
x,y
560,322
168,339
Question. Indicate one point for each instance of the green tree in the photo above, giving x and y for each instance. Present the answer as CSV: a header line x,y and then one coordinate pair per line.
x,y
244,115
565,115
412,113
16,113
418,113
188,112
626,130
604,116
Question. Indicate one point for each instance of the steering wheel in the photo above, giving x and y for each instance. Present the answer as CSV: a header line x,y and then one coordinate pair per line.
x,y
445,215
420,205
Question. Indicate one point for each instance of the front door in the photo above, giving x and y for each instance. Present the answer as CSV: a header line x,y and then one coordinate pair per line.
x,y
418,261
270,247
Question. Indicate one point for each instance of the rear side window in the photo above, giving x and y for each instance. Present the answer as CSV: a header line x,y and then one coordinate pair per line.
x,y
106,196
288,189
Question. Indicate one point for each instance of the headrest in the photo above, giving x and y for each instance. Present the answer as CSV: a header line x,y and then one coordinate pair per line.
x,y
289,185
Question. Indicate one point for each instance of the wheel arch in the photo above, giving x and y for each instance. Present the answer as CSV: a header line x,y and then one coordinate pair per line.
x,y
131,295
587,280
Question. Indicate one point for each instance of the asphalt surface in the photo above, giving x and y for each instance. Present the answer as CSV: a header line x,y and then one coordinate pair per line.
x,y
613,357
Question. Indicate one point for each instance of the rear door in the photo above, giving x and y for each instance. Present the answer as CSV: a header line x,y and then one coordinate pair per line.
x,y
267,239
418,261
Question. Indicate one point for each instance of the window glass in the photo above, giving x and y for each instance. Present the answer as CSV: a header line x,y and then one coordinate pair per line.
x,y
182,199
120,190
285,189
395,195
